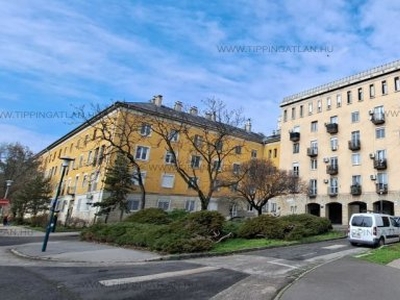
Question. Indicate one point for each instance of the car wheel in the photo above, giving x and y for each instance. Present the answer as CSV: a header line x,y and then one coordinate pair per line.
x,y
353,244
381,242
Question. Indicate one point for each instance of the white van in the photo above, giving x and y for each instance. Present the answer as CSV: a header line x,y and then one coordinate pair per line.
x,y
373,229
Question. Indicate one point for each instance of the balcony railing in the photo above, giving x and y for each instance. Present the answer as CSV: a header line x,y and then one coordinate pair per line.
x,y
377,118
294,136
355,189
332,169
354,145
312,152
380,163
381,188
332,128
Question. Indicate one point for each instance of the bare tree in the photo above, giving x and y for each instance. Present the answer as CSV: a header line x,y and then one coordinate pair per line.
x,y
259,181
211,142
121,130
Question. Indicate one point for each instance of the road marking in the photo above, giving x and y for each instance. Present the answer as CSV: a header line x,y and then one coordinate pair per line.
x,y
308,254
333,247
275,262
127,280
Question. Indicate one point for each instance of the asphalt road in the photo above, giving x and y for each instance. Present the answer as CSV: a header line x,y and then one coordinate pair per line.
x,y
252,275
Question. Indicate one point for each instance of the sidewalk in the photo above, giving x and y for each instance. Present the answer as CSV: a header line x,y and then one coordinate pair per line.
x,y
73,251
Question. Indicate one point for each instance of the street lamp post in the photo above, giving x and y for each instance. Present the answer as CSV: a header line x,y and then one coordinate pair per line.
x,y
8,184
65,164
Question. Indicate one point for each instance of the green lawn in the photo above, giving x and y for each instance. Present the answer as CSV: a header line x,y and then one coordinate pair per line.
x,y
237,244
383,255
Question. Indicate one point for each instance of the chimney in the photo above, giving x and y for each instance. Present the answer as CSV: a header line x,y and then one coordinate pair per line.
x,y
247,126
157,100
178,106
193,111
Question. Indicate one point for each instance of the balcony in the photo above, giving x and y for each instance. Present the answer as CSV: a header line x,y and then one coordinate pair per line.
x,y
380,164
381,188
312,151
312,193
377,118
294,136
332,191
332,169
355,189
354,145
332,128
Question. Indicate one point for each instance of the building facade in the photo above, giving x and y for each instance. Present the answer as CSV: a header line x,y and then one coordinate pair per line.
x,y
343,138
143,125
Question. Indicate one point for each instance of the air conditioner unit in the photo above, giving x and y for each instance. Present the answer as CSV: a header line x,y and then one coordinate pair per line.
x,y
372,155
89,196
326,160
371,111
373,177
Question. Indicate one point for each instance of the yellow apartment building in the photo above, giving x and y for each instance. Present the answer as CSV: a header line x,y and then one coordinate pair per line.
x,y
83,181
343,138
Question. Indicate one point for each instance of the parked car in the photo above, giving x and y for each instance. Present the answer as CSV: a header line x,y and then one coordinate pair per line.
x,y
373,229
397,219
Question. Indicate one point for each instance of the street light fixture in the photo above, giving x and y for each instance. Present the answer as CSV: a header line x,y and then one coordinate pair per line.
x,y
65,164
8,184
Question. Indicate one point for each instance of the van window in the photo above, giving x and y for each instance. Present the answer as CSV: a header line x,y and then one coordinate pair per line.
x,y
361,221
386,222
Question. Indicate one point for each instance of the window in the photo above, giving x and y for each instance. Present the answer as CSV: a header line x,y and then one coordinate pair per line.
x,y
193,181
236,168
319,105
380,133
238,149
338,100
253,153
84,180
133,204
269,153
355,159
355,137
174,135
379,113
355,116
371,91
135,177
163,204
397,84
328,103
169,158
233,210
314,126
81,160
310,108
167,180
360,94
89,158
381,154
293,113
218,145
142,153
285,115
216,185
356,180
301,111
217,165
145,129
313,187
381,178
275,152
314,164
198,141
95,156
349,99
86,140
384,88
333,120
296,147
295,169
190,205
333,186
334,144
195,162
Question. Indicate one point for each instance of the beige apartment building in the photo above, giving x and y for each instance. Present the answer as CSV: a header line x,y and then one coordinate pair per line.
x,y
343,139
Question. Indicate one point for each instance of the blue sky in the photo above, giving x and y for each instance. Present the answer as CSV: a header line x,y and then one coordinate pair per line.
x,y
59,55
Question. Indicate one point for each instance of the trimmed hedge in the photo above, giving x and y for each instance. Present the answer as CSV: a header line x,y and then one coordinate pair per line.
x,y
149,216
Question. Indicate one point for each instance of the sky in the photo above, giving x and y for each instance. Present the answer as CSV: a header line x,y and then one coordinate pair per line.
x,y
59,56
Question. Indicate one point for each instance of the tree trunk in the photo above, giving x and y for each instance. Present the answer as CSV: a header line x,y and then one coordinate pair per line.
x,y
259,211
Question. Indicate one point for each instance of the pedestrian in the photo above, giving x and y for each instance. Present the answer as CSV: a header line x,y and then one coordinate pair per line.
x,y
5,220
